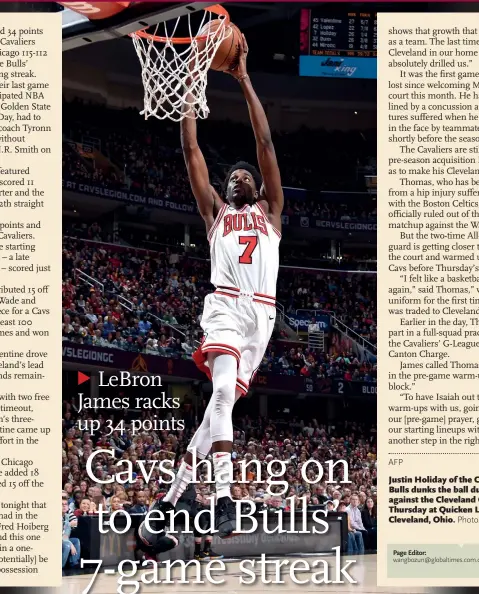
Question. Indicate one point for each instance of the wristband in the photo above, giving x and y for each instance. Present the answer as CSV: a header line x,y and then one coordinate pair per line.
x,y
242,78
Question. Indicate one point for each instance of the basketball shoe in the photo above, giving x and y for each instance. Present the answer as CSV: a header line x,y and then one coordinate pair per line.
x,y
208,556
160,506
154,543
225,517
155,540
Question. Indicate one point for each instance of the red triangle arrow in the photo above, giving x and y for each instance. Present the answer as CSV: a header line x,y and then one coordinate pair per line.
x,y
82,378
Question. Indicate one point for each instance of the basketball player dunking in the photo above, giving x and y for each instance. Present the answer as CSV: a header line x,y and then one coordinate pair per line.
x,y
238,318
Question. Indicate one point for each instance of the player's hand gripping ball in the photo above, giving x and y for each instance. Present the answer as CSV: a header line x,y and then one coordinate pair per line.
x,y
239,71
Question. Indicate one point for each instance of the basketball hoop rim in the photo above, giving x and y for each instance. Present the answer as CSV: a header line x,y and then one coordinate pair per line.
x,y
216,9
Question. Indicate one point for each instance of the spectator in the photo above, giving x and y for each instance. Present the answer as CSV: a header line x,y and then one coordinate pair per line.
x,y
370,522
157,290
313,327
144,159
362,500
84,509
355,538
115,504
356,521
140,506
70,546
292,440
236,492
321,494
336,499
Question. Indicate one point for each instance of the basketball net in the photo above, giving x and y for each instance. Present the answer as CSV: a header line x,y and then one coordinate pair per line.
x,y
174,69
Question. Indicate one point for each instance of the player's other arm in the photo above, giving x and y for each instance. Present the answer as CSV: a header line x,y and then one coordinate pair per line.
x,y
272,191
204,193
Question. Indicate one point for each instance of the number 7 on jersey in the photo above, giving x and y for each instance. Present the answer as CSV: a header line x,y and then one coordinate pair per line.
x,y
251,241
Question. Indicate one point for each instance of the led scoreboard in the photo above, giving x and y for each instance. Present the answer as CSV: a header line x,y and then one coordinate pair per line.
x,y
342,45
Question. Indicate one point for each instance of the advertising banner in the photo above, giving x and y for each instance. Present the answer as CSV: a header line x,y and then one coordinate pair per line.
x,y
354,389
338,67
304,222
139,199
84,356
112,547
302,321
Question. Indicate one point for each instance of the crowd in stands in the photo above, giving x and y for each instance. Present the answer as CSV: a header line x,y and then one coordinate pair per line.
x,y
134,301
160,293
118,296
349,297
314,255
146,158
293,441
310,363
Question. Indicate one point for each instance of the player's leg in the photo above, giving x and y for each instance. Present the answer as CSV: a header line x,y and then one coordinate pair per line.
x,y
252,354
198,552
201,444
185,475
208,552
224,326
224,370
260,329
221,323
216,324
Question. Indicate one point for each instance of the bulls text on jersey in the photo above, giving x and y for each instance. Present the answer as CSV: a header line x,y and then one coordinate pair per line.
x,y
241,222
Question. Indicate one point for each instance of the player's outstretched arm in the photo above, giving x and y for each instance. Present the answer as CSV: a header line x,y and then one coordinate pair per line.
x,y
272,191
206,197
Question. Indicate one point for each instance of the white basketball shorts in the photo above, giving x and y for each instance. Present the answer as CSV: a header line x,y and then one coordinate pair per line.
x,y
238,324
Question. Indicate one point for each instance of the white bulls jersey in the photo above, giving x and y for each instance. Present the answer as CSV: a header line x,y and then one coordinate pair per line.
x,y
244,249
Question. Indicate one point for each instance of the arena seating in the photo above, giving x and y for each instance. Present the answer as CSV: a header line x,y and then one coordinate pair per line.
x,y
165,289
294,442
172,288
150,158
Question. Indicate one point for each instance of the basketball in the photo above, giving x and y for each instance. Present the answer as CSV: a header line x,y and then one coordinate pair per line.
x,y
227,54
